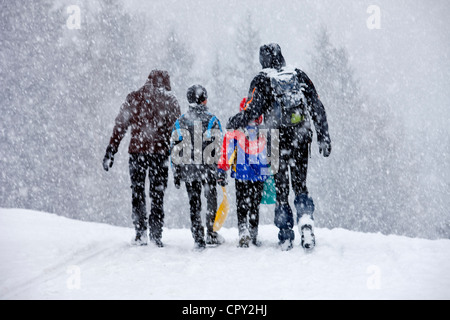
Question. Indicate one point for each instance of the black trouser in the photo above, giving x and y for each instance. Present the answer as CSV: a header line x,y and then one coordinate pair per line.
x,y
295,161
158,173
293,168
248,197
194,190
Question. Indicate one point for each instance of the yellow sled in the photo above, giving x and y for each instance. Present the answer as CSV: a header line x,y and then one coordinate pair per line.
x,y
222,213
224,207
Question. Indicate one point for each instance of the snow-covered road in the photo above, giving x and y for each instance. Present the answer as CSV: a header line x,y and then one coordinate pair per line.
x,y
44,256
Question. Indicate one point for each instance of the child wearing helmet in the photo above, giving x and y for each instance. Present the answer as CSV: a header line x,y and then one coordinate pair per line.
x,y
193,135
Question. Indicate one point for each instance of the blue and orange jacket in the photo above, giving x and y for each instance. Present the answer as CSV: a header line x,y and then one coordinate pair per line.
x,y
246,154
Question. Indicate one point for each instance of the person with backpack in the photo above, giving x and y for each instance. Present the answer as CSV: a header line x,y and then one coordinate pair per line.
x,y
288,100
151,112
245,151
195,143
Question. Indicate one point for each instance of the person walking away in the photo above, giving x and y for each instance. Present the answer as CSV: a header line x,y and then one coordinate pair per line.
x,y
193,134
288,100
151,112
246,153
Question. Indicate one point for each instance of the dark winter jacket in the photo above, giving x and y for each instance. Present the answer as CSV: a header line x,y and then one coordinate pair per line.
x,y
205,133
150,112
261,100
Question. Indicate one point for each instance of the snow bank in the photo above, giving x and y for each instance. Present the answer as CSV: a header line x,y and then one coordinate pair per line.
x,y
44,256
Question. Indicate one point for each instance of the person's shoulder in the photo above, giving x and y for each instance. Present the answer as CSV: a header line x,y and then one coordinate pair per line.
x,y
259,80
303,76
170,95
262,76
133,96
208,116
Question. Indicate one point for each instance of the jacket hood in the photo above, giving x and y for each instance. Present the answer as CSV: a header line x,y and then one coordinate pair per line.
x,y
160,79
270,56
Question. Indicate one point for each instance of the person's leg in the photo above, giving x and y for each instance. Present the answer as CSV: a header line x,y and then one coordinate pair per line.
x,y
158,179
194,190
256,189
284,218
243,209
138,168
211,210
304,204
212,237
299,170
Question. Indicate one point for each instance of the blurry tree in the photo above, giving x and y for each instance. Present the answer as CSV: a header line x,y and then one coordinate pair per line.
x,y
178,59
361,185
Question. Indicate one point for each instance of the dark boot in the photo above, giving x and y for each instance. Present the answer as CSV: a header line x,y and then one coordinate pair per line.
x,y
254,236
308,238
244,239
214,239
140,239
286,239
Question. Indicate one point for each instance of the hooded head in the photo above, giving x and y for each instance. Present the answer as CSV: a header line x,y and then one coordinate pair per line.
x,y
270,56
160,79
197,94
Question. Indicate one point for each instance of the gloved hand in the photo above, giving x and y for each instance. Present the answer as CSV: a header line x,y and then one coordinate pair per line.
x,y
325,148
222,182
177,182
222,178
108,160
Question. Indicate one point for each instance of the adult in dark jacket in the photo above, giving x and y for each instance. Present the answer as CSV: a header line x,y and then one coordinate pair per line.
x,y
196,139
295,140
151,112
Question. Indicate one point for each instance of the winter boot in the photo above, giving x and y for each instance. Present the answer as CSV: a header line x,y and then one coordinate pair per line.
x,y
141,239
286,238
199,245
284,220
254,237
244,239
155,237
214,239
256,242
157,241
308,238
305,215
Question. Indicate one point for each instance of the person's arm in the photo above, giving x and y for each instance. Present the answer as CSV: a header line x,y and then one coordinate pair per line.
x,y
257,103
318,114
122,123
225,161
176,110
175,139
120,129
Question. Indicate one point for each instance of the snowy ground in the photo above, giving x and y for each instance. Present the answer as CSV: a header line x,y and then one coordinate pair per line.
x,y
44,256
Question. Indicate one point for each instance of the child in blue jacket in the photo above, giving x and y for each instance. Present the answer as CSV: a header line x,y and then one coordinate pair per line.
x,y
245,152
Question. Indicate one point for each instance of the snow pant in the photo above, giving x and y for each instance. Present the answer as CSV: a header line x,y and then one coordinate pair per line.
x,y
248,199
158,174
194,190
293,168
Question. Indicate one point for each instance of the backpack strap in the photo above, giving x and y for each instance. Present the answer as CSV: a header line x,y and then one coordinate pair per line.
x,y
211,123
